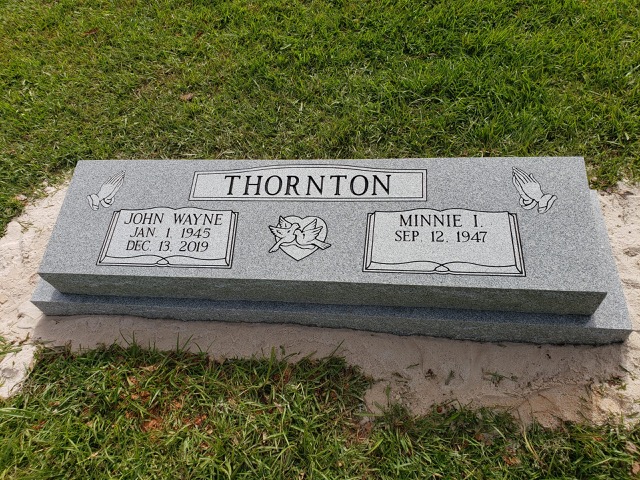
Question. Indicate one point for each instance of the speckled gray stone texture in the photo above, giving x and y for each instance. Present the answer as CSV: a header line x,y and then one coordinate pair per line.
x,y
609,324
568,267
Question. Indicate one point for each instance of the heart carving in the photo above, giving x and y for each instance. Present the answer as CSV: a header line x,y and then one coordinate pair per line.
x,y
299,237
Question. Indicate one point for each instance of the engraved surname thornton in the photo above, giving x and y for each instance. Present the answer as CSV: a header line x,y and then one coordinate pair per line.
x,y
295,185
310,182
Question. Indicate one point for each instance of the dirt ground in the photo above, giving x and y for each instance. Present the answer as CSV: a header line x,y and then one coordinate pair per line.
x,y
548,383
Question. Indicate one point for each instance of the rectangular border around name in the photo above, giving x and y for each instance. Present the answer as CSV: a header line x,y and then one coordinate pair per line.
x,y
407,184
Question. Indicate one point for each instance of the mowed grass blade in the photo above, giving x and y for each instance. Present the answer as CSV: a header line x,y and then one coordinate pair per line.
x,y
315,79
136,413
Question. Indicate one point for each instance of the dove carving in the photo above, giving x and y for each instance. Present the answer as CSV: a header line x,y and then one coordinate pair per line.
x,y
308,237
299,237
285,232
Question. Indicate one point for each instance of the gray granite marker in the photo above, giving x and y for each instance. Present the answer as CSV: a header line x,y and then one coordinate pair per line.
x,y
490,249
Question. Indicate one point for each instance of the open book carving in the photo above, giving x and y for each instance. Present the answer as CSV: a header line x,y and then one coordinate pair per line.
x,y
168,237
454,241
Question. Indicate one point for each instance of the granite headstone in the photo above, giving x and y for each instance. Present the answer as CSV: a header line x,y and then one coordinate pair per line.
x,y
488,249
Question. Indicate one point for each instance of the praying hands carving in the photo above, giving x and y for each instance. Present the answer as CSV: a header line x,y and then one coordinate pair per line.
x,y
531,194
108,190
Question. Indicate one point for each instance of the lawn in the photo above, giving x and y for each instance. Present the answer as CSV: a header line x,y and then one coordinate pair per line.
x,y
315,79
298,79
6,347
140,413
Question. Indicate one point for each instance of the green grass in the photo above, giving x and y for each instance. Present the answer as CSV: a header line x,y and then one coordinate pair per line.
x,y
6,347
315,79
136,413
298,79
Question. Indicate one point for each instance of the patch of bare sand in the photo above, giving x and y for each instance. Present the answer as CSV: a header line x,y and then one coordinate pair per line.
x,y
548,383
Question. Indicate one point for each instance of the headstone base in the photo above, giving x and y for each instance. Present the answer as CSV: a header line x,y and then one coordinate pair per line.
x,y
608,325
